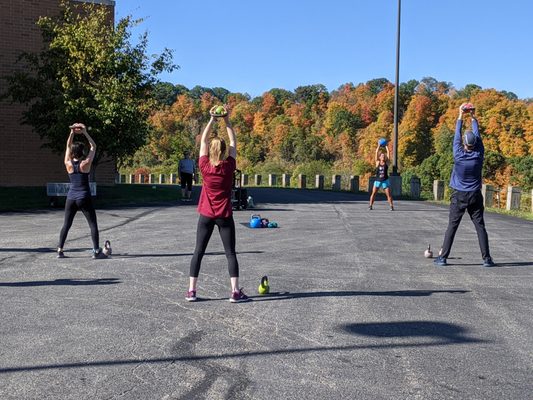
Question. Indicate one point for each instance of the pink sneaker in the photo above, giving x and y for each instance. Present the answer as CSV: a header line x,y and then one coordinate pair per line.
x,y
191,295
238,297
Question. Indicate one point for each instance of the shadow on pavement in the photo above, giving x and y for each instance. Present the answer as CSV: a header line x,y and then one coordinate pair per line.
x,y
350,293
37,250
63,282
214,253
448,332
452,335
498,264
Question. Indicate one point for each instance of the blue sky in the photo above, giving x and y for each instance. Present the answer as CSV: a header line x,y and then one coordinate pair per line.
x,y
251,46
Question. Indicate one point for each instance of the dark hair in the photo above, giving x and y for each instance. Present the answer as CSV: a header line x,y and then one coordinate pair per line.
x,y
77,150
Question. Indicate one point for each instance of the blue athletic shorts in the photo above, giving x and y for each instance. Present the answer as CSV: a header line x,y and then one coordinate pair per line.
x,y
382,185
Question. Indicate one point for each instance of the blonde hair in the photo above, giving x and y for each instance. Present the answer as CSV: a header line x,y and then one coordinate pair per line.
x,y
217,151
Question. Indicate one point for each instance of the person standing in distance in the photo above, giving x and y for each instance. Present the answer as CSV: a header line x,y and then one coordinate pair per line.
x,y
215,207
382,177
79,194
466,184
186,171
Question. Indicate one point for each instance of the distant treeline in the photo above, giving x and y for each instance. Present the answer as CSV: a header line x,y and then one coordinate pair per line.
x,y
311,130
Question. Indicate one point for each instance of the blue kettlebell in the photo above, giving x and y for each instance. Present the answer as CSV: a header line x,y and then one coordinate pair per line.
x,y
255,221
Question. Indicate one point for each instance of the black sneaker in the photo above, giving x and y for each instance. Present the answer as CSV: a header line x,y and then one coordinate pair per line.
x,y
60,254
370,207
440,261
392,208
98,254
487,262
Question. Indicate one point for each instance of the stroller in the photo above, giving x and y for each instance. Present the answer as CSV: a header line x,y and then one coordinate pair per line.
x,y
239,195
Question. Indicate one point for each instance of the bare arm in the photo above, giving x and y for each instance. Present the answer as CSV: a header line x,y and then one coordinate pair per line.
x,y
376,157
85,166
232,138
69,143
388,153
204,146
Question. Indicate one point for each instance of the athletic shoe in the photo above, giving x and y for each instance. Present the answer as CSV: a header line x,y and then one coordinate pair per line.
x,y
238,297
98,254
487,262
191,295
392,208
370,207
60,254
440,261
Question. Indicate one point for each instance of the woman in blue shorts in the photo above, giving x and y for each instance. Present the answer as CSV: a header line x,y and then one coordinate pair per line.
x,y
382,177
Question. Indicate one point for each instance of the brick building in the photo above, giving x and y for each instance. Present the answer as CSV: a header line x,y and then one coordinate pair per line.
x,y
22,160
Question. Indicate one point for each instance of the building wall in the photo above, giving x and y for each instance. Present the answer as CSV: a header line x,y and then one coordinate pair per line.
x,y
23,162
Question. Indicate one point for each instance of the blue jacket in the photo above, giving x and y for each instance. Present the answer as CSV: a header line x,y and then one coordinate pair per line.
x,y
467,167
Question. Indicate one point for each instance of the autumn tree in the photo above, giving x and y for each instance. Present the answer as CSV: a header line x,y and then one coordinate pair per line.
x,y
90,71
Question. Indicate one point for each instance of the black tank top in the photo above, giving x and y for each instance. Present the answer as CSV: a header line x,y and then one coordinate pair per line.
x,y
382,172
79,183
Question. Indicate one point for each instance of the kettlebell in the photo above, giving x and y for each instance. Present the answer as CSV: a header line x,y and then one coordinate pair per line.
x,y
264,287
107,248
255,221
428,253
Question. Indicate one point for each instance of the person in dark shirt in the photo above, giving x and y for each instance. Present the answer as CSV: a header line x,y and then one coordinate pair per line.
x,y
79,195
382,177
186,172
466,184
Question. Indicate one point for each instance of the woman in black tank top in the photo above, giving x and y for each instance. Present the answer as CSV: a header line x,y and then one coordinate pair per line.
x,y
79,194
382,177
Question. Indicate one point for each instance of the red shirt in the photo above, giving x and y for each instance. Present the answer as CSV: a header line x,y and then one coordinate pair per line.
x,y
215,199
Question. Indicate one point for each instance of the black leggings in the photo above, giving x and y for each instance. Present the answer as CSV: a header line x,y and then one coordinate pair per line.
x,y
71,208
226,228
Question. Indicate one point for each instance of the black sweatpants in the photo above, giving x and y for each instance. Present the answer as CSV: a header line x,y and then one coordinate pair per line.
x,y
71,208
473,203
186,181
226,228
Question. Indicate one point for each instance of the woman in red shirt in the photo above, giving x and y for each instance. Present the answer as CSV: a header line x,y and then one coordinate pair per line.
x,y
215,208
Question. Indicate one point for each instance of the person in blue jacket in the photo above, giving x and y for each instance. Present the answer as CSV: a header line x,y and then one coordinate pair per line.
x,y
466,183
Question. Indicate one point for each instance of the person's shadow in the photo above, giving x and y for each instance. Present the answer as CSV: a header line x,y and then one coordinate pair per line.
x,y
446,333
63,282
352,293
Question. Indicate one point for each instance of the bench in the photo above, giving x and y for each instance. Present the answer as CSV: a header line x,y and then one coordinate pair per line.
x,y
55,190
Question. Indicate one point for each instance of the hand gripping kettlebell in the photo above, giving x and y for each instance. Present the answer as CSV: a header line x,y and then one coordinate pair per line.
x,y
264,287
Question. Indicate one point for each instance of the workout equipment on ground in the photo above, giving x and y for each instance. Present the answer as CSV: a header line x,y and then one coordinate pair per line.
x,y
107,250
218,111
255,221
382,142
239,195
264,286
428,253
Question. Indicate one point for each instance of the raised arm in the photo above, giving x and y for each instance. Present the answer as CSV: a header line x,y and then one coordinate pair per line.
x,y
388,153
232,138
457,146
69,143
86,164
475,131
376,156
204,145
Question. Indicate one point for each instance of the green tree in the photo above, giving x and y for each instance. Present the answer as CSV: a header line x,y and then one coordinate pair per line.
x,y
90,72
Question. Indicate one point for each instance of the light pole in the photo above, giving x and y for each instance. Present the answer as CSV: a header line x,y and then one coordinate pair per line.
x,y
396,95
